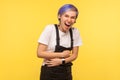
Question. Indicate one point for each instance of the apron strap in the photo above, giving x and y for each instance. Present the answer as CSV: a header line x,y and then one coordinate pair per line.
x,y
57,35
71,35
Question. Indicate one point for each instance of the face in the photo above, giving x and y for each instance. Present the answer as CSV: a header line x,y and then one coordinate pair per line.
x,y
67,19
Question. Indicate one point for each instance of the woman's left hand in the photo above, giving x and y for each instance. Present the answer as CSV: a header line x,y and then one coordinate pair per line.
x,y
53,62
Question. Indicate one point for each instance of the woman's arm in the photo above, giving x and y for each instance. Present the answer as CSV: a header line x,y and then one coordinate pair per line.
x,y
58,61
42,52
73,56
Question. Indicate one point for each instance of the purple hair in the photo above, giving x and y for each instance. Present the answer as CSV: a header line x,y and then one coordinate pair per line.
x,y
66,7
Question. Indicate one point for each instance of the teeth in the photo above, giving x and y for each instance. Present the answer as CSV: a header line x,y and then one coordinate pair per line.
x,y
67,24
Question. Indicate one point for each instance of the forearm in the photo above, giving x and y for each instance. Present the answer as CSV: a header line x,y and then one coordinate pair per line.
x,y
73,56
43,53
70,59
49,55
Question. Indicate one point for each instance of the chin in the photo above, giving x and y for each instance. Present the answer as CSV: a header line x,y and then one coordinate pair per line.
x,y
66,30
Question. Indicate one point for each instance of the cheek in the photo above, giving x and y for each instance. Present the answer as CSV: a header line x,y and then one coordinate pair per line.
x,y
74,21
62,20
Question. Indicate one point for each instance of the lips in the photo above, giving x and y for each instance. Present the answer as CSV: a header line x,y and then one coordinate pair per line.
x,y
68,25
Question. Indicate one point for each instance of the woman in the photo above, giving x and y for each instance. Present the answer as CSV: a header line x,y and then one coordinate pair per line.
x,y
59,44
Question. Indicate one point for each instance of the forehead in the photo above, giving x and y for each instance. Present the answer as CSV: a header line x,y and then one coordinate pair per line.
x,y
70,12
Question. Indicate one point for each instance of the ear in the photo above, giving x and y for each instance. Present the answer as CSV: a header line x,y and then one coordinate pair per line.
x,y
59,17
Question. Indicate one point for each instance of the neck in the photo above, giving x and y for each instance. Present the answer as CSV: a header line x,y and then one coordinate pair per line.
x,y
61,28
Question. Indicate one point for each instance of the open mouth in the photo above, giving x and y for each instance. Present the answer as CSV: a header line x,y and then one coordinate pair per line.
x,y
68,25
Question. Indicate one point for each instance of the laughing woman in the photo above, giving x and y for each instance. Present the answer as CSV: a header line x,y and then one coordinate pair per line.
x,y
58,45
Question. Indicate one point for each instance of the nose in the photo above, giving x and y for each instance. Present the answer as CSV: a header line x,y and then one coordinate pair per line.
x,y
69,19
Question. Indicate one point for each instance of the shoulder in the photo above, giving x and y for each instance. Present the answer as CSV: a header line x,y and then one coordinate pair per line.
x,y
49,27
75,30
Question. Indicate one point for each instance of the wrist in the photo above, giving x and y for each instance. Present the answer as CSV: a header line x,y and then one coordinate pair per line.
x,y
63,61
62,55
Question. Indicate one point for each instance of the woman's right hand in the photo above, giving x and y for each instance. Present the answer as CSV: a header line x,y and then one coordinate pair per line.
x,y
66,53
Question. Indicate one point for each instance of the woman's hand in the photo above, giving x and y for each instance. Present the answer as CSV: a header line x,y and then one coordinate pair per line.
x,y
53,62
66,53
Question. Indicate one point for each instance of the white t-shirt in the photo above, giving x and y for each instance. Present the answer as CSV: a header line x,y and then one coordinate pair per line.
x,y
48,37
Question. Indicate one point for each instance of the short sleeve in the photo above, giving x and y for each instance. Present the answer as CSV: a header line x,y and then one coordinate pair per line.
x,y
45,36
77,37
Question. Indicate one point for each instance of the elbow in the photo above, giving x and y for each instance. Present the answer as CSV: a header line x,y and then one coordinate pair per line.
x,y
39,54
74,57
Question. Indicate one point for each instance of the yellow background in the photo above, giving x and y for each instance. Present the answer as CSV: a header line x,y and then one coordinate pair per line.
x,y
22,21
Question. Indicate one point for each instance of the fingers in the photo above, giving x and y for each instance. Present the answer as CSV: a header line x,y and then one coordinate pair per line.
x,y
48,62
66,53
53,62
